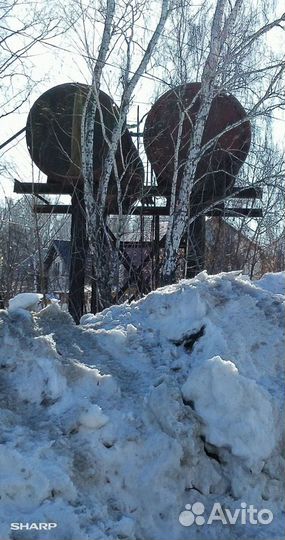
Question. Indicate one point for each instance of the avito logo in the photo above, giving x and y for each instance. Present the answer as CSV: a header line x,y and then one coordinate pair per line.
x,y
243,515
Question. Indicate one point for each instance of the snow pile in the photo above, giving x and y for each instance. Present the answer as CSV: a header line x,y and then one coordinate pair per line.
x,y
272,282
111,429
29,301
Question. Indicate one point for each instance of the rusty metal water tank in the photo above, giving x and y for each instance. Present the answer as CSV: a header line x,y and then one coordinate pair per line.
x,y
53,134
218,167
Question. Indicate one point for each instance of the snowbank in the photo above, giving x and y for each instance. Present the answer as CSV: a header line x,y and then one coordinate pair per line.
x,y
27,301
274,282
114,428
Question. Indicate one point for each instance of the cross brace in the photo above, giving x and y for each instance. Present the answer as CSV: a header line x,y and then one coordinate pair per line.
x,y
158,210
66,188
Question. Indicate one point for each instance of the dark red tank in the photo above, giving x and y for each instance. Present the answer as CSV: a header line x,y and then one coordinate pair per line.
x,y
218,167
53,134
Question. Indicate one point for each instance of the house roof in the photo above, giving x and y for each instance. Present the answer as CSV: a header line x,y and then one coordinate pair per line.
x,y
63,249
59,248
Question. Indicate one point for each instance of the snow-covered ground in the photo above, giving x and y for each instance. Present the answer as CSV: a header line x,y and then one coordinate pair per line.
x,y
112,429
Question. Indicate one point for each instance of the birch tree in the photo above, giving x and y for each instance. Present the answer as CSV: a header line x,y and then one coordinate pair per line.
x,y
115,29
231,44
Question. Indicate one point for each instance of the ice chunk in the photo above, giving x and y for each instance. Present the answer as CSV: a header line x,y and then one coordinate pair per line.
x,y
27,301
237,412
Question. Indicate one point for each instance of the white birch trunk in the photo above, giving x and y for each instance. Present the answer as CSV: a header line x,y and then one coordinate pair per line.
x,y
87,126
179,218
95,207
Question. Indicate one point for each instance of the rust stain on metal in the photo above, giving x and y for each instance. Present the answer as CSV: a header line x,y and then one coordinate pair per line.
x,y
53,134
218,167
